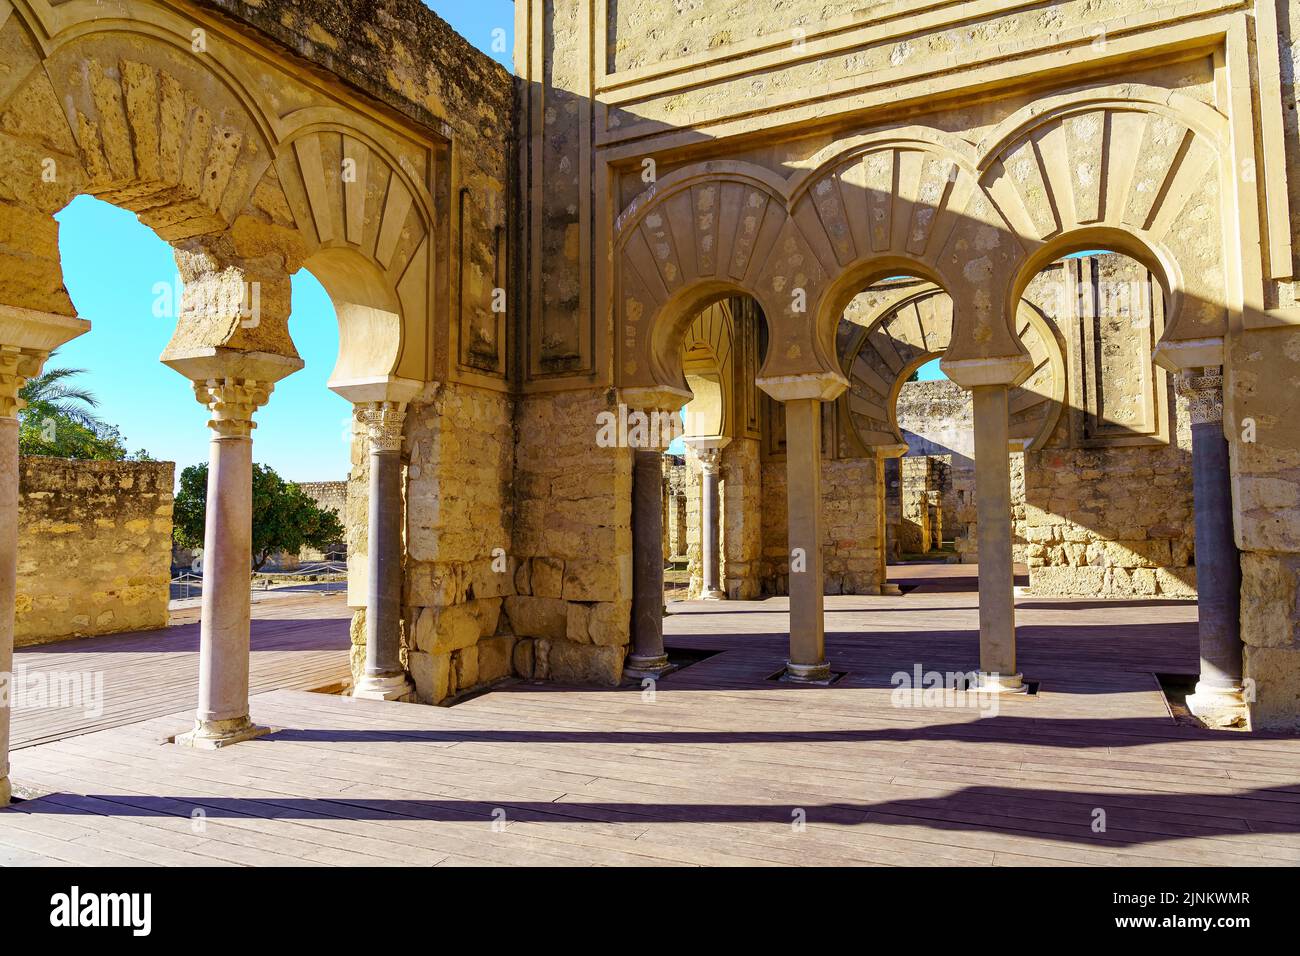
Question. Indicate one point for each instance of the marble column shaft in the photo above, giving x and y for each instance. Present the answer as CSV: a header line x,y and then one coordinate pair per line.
x,y
8,580
997,611
224,631
803,504
384,674
1218,562
710,524
647,656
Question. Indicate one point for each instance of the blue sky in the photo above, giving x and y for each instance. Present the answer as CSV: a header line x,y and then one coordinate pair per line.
x,y
113,266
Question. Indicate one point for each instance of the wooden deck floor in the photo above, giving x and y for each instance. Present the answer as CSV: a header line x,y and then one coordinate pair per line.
x,y
299,640
718,766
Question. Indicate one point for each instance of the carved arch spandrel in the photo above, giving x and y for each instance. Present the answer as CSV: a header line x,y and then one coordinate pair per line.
x,y
909,200
153,128
363,225
1129,167
903,200
903,327
1132,167
220,165
696,236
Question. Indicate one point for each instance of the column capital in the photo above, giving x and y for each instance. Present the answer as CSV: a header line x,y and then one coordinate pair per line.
x,y
27,338
710,459
232,402
1204,394
383,421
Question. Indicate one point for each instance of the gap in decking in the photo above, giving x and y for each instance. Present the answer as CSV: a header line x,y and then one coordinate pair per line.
x,y
835,678
1175,689
1031,687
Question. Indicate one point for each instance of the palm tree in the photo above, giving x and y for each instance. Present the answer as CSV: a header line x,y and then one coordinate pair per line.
x,y
51,396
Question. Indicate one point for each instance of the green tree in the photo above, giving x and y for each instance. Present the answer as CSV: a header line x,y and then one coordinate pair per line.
x,y
59,420
284,517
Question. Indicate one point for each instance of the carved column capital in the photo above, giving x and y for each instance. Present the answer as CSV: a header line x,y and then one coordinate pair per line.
x,y
17,367
1204,394
232,402
710,460
383,421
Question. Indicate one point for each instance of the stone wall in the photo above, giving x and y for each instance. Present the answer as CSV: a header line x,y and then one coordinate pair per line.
x,y
94,547
920,480
459,516
571,608
1262,422
852,500
1087,536
1113,516
937,418
741,519
740,491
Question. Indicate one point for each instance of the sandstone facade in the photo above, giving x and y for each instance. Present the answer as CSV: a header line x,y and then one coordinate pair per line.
x,y
769,209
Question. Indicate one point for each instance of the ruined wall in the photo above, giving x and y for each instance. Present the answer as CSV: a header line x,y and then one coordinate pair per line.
x,y
1262,422
741,516
852,499
919,480
329,496
573,543
774,83
94,547
937,418
459,512
1112,521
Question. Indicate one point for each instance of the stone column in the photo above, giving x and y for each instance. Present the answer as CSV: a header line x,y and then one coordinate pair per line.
x,y
710,524
232,384
997,608
26,340
886,529
1218,699
9,385
224,631
385,678
647,657
803,464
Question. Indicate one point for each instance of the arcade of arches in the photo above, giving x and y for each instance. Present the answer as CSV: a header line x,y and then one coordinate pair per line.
x,y
772,232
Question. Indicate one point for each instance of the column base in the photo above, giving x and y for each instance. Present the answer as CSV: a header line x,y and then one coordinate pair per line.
x,y
987,683
6,792
395,687
1219,707
712,595
808,673
214,734
642,667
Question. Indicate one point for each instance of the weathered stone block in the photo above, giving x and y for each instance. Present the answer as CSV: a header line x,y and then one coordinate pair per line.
x,y
537,616
443,629
431,674
584,663
465,668
598,579
1275,676
495,658
610,623
547,578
